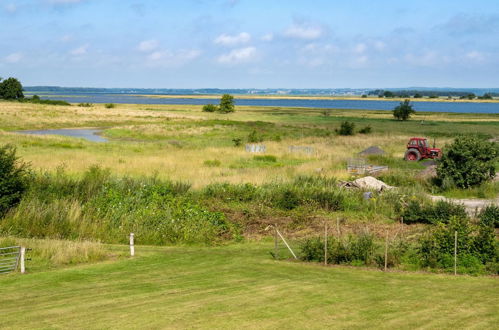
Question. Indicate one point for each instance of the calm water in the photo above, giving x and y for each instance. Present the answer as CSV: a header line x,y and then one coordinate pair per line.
x,y
87,134
323,104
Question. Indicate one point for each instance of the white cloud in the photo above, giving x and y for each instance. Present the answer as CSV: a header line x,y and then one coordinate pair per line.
x,y
302,31
148,45
268,37
62,2
360,48
232,40
82,50
475,56
168,58
427,58
13,58
10,8
240,55
66,38
379,45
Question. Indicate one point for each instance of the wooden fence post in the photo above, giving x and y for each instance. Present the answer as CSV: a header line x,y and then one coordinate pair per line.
x,y
23,258
286,243
455,252
132,246
386,251
325,243
276,243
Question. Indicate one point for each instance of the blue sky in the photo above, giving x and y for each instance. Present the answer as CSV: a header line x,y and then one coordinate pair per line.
x,y
250,43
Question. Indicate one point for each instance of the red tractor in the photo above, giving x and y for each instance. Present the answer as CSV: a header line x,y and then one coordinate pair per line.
x,y
419,148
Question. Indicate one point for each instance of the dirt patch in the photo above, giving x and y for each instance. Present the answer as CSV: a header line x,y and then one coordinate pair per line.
x,y
429,172
373,150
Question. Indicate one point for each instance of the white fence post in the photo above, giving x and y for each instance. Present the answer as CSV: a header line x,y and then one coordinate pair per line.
x,y
23,257
132,247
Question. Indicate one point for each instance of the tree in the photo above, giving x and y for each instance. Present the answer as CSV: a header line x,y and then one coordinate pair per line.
x,y
404,110
13,178
11,89
417,96
388,94
226,104
467,162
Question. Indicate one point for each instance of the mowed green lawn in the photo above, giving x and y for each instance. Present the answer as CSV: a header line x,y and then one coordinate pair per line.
x,y
240,286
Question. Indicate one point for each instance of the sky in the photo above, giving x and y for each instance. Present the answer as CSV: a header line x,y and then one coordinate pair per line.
x,y
250,43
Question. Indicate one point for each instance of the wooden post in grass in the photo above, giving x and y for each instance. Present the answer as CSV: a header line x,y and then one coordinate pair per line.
x,y
286,243
23,258
455,252
132,247
386,251
325,243
276,243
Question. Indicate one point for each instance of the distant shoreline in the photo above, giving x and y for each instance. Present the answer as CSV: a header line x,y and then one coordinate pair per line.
x,y
305,97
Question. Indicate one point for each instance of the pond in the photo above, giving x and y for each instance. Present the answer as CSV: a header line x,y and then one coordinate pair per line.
x,y
82,133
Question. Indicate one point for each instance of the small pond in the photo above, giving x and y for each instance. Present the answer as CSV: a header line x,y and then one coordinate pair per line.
x,y
82,133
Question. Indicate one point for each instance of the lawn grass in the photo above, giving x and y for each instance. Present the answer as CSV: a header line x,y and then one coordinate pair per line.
x,y
240,286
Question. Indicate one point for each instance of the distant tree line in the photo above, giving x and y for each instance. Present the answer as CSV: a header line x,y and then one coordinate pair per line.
x,y
428,93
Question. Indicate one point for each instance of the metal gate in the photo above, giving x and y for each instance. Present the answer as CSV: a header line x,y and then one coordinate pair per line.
x,y
9,258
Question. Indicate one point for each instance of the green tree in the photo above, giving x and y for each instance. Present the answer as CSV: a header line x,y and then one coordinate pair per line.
x,y
388,94
417,96
468,161
226,104
404,110
13,178
11,89
346,128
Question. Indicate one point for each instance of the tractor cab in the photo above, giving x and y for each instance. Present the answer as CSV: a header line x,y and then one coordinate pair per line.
x,y
419,148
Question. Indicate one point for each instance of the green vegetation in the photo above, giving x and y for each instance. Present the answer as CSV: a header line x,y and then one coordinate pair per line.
x,y
109,105
11,89
193,287
468,161
226,105
210,108
346,128
404,110
14,176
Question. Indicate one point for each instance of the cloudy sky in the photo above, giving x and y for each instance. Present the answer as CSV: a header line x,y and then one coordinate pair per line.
x,y
250,43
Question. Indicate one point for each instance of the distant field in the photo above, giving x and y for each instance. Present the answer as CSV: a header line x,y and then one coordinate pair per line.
x,y
240,286
178,141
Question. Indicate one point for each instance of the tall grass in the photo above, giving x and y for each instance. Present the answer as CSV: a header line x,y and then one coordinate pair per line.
x,y
101,207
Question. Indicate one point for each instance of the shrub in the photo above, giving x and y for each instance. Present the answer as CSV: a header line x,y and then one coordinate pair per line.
x,y
440,212
404,110
366,130
86,104
210,108
14,176
254,137
109,105
237,142
489,216
346,128
468,161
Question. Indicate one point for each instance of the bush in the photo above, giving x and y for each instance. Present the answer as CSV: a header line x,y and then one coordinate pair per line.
x,y
85,105
237,142
404,110
14,176
489,216
440,212
366,130
254,137
210,108
49,102
109,105
346,128
467,162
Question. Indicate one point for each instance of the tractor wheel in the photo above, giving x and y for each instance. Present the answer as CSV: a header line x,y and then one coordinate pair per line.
x,y
412,155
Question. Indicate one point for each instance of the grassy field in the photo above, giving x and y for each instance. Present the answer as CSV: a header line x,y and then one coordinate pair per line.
x,y
178,141
240,286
